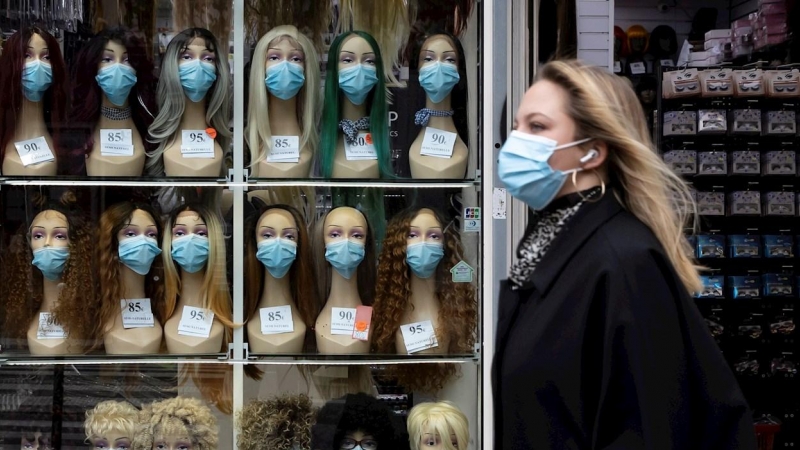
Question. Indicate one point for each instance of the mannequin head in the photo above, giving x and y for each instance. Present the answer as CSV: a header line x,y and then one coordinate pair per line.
x,y
190,47
646,89
28,46
349,50
620,43
107,48
198,220
176,423
437,426
280,423
638,39
111,425
345,223
282,43
284,222
119,222
663,42
358,417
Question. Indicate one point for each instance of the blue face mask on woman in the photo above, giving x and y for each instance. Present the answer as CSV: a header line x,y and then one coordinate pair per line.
x,y
197,78
438,80
277,255
51,261
190,252
284,80
356,82
423,258
138,253
37,76
524,169
116,81
345,256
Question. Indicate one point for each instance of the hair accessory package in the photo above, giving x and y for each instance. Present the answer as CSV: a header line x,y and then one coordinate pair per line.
x,y
746,121
713,287
716,83
680,123
746,162
778,246
745,203
711,203
783,83
684,83
783,323
780,162
779,203
710,246
712,121
744,246
713,163
749,83
683,162
777,285
742,287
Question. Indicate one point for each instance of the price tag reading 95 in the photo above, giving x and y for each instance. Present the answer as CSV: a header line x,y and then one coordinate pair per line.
x,y
196,144
34,151
362,149
284,149
49,328
136,313
419,336
195,322
343,321
116,142
438,143
276,320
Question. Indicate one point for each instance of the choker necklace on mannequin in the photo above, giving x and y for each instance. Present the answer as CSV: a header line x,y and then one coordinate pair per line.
x,y
116,113
423,116
351,128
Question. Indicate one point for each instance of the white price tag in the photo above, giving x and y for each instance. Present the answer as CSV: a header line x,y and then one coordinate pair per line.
x,y
617,67
667,63
438,143
49,328
276,320
34,151
195,322
284,149
116,142
196,144
362,149
343,321
638,68
136,313
419,336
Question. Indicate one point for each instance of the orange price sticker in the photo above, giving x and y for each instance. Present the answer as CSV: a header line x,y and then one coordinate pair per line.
x,y
368,138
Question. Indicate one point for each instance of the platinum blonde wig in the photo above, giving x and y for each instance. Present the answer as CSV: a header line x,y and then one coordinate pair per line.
x,y
172,101
179,415
111,416
442,419
258,132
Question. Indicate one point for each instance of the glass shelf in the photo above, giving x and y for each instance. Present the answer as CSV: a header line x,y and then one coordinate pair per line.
x,y
43,360
361,360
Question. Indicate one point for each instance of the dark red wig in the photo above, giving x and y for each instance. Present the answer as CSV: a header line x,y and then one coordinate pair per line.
x,y
55,98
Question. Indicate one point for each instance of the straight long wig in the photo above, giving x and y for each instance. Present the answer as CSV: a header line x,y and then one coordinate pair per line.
x,y
332,111
172,101
258,132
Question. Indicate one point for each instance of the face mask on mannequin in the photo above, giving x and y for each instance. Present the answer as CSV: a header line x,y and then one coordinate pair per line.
x,y
357,82
138,253
284,80
190,252
345,256
197,78
438,80
524,169
37,76
423,258
116,81
277,255
51,261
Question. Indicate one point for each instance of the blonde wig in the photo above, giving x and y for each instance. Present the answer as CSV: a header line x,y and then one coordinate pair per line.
x,y
216,296
258,132
179,415
111,416
443,420
606,109
280,423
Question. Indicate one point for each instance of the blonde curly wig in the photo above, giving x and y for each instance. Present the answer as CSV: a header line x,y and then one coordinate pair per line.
x,y
111,415
179,415
280,423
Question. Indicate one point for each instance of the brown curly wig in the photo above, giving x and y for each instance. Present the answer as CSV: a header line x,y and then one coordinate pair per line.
x,y
458,314
21,293
280,423
177,416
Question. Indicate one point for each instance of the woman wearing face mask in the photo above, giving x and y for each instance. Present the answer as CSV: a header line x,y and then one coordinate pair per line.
x,y
599,343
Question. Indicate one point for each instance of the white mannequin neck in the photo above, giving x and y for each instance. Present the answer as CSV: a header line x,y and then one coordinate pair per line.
x,y
194,115
276,292
351,111
442,123
107,103
50,291
344,292
132,283
30,121
192,291
283,117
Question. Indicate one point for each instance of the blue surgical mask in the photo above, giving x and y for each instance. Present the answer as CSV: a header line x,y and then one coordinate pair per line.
x,y
357,82
345,256
190,252
37,76
284,80
438,80
138,253
197,77
424,257
524,169
51,261
116,81
277,255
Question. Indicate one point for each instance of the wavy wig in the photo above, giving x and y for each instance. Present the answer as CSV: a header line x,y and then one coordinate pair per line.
x,y
111,416
172,101
179,415
311,17
443,420
280,423
332,110
258,132
449,15
351,413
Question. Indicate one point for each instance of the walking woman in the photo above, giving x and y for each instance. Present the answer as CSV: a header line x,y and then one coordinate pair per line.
x,y
599,343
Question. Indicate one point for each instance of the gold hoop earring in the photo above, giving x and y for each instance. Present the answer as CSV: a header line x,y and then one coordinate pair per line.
x,y
589,199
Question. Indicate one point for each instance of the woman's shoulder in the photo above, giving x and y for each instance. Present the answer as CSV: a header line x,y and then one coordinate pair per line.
x,y
628,240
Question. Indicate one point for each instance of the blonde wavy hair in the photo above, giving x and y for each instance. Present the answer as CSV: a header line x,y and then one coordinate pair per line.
x,y
109,416
179,415
605,108
441,418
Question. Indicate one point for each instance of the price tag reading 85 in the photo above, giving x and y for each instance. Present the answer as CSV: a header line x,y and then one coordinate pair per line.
x,y
284,149
438,143
195,322
136,313
34,151
196,144
343,321
419,336
116,142
276,320
362,149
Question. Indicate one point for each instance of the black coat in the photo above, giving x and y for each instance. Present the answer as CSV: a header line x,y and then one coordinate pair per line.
x,y
607,350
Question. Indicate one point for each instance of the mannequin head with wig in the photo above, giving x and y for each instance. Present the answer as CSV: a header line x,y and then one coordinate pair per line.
x,y
111,424
280,423
179,420
439,425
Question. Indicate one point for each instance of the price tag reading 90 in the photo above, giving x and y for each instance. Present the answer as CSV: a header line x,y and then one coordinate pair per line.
x,y
438,138
346,315
31,147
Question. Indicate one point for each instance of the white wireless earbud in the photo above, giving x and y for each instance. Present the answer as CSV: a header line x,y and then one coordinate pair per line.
x,y
589,156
